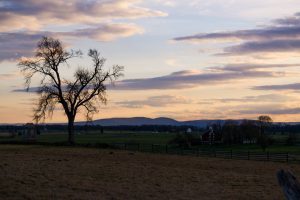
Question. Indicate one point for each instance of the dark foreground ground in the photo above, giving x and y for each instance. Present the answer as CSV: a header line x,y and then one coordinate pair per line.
x,y
38,172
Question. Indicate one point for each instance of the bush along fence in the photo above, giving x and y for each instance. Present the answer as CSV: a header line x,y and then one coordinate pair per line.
x,y
239,155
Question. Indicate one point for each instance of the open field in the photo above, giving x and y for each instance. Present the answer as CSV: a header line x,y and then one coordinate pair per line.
x,y
38,172
152,138
111,137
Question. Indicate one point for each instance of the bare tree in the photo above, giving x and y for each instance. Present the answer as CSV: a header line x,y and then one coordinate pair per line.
x,y
264,122
85,92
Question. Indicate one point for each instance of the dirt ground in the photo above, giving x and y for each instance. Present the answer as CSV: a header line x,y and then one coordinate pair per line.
x,y
36,172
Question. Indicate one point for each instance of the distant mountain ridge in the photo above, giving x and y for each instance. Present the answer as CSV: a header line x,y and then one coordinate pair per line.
x,y
133,121
139,121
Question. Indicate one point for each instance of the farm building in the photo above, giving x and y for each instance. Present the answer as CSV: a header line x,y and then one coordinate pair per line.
x,y
189,130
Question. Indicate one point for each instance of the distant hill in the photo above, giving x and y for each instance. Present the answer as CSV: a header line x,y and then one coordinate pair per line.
x,y
134,121
139,121
202,123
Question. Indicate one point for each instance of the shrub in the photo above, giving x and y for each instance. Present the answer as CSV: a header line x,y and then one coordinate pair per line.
x,y
185,140
264,141
291,140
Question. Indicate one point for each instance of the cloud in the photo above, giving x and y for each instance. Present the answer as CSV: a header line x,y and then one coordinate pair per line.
x,y
292,86
254,34
35,14
155,101
195,78
237,67
192,114
181,80
16,45
7,76
252,99
267,98
282,36
245,9
31,89
189,79
289,21
104,32
263,46
19,44
271,111
23,23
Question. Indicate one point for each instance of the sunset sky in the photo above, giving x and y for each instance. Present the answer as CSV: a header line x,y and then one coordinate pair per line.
x,y
197,59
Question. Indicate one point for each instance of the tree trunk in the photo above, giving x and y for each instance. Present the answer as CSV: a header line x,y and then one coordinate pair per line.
x,y
71,138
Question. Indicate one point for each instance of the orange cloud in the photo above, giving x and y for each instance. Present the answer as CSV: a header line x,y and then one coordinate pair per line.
x,y
35,14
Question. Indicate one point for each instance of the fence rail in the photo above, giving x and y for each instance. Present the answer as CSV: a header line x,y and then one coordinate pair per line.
x,y
238,155
168,149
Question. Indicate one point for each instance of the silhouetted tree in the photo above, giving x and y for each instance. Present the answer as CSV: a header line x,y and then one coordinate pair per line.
x,y
85,92
217,131
292,139
264,122
249,130
231,133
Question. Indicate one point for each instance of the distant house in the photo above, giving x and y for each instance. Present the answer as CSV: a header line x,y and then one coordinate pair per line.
x,y
248,141
189,130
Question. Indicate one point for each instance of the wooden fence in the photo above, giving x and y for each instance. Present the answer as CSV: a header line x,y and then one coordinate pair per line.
x,y
168,149
239,155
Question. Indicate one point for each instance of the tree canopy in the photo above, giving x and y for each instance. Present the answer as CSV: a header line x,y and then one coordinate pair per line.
x,y
86,91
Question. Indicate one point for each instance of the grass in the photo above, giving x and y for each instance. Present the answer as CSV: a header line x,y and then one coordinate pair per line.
x,y
152,138
253,148
112,137
39,172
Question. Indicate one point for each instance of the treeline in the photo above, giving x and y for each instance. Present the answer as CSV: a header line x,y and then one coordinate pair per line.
x,y
228,132
98,128
284,128
241,132
232,132
246,126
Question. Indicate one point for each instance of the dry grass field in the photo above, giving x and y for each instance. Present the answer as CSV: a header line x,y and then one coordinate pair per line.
x,y
38,172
